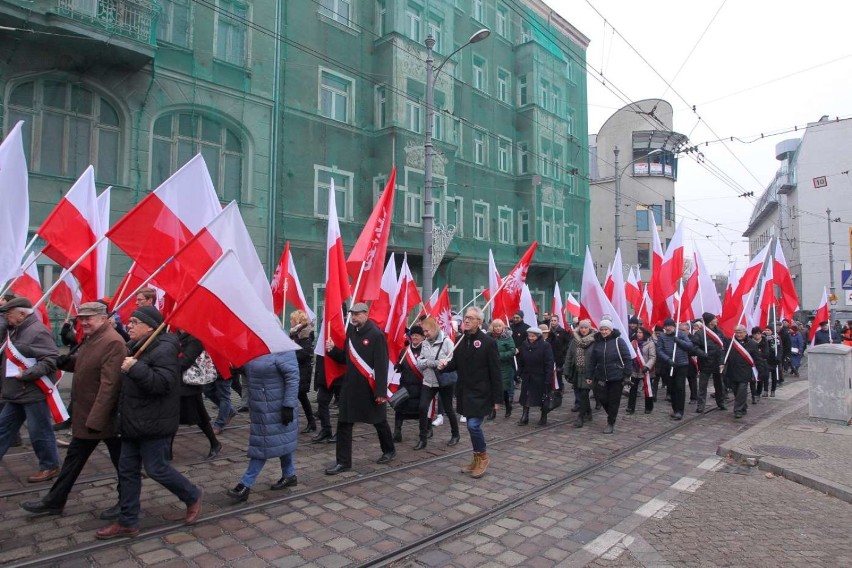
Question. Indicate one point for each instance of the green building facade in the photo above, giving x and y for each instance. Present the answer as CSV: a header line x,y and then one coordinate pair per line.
x,y
281,97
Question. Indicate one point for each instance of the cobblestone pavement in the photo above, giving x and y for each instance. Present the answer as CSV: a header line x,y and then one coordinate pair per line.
x,y
374,510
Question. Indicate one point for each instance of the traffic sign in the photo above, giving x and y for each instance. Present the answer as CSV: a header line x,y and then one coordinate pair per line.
x,y
846,279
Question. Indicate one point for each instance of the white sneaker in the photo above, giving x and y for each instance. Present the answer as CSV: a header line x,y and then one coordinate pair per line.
x,y
438,421
462,419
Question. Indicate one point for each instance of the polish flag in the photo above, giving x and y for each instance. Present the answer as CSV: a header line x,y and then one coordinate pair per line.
x,y
407,298
234,327
608,285
286,286
429,306
28,285
556,308
14,195
633,290
67,295
572,306
595,306
443,314
102,252
822,314
646,308
528,307
789,297
494,283
71,229
123,301
381,307
337,291
706,299
752,273
510,296
688,296
659,306
671,270
767,297
365,260
731,305
166,219
618,298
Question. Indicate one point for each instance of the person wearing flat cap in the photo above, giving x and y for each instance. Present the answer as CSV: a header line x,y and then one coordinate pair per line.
x,y
25,374
96,365
148,416
363,393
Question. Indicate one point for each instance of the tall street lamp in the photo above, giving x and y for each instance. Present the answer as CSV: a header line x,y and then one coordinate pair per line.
x,y
618,175
428,207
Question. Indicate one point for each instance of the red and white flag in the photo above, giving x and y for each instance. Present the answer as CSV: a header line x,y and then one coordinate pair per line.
x,y
15,362
646,376
556,306
168,218
572,306
595,306
619,298
443,314
767,298
429,306
102,252
380,309
750,276
822,314
234,327
365,261
123,301
337,291
659,305
528,307
72,229
730,307
646,308
745,286
28,285
633,290
14,195
784,280
67,295
510,295
688,296
494,283
286,286
706,299
407,298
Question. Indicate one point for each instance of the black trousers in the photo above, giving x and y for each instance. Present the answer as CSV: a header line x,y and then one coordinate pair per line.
x,y
608,393
635,383
692,381
306,406
75,459
677,388
344,441
446,395
703,382
740,397
582,396
324,398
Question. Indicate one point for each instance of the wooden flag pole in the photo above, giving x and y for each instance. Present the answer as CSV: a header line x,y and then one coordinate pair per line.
x,y
742,315
148,341
144,283
67,271
677,326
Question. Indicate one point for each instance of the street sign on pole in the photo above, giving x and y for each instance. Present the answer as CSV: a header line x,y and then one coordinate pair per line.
x,y
846,279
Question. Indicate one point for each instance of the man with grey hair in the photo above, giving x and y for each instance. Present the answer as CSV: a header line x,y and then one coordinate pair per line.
x,y
29,371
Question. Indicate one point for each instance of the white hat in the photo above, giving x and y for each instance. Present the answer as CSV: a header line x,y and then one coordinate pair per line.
x,y
605,323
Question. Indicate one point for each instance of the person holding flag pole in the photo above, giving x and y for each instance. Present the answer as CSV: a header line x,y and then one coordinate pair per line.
x,y
676,361
741,367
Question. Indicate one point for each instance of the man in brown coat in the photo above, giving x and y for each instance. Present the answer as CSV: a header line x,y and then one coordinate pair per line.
x,y
94,395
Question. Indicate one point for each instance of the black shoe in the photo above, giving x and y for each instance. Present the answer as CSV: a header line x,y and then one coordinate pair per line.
x,y
332,439
699,410
311,427
453,440
285,482
421,444
578,423
629,411
738,415
721,407
575,408
212,454
397,435
431,432
321,437
543,420
337,468
110,514
648,411
386,457
62,425
243,408
39,508
677,416
493,415
239,493
508,409
609,429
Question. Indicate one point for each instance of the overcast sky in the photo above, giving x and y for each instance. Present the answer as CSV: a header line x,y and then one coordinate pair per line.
x,y
748,66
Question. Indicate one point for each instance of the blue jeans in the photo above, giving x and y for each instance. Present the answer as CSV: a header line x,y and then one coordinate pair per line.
x,y
477,437
288,469
219,393
40,426
152,452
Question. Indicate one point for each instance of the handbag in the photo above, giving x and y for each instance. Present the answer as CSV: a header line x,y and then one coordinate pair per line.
x,y
552,400
446,378
400,396
202,372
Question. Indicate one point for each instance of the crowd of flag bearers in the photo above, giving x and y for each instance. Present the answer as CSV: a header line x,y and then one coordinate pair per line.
x,y
376,344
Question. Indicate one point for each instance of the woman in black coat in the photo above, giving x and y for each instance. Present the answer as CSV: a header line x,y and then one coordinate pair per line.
x,y
536,368
611,365
302,332
192,409
411,379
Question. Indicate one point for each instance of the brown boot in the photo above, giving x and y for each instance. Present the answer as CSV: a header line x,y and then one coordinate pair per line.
x,y
481,464
469,467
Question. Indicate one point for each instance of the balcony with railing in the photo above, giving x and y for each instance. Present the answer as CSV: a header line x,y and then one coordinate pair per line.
x,y
781,184
132,19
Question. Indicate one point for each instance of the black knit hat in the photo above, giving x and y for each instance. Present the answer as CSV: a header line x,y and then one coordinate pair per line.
x,y
149,315
708,317
416,329
668,322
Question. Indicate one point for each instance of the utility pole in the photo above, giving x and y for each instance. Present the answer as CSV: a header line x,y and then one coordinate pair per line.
x,y
617,201
833,298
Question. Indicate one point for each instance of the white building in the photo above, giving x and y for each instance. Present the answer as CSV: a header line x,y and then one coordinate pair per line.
x,y
814,178
634,154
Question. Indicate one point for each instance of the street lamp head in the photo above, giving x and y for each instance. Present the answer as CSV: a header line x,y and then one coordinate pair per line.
x,y
479,35
652,152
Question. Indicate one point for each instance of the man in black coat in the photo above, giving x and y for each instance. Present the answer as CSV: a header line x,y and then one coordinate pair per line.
x,y
363,392
479,389
519,329
709,340
740,367
559,341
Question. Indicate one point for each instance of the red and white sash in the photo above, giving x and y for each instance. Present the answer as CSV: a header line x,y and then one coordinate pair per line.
x,y
646,377
747,356
412,362
364,369
712,335
16,362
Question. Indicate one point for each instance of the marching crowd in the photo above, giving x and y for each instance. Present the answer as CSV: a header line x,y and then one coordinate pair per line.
x,y
133,388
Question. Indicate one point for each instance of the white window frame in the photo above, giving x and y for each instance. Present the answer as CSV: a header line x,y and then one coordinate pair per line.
x,y
524,226
222,12
481,220
413,116
381,14
477,11
505,222
349,191
480,147
502,21
504,154
319,289
573,244
381,106
434,28
504,86
479,73
523,158
545,156
166,23
454,292
413,22
555,97
349,94
523,91
569,118
458,202
339,11
543,93
557,161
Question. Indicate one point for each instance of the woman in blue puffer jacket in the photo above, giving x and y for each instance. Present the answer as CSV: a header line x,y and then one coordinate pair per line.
x,y
273,383
611,365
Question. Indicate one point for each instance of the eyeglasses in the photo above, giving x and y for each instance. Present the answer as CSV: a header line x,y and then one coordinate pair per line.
x,y
471,318
133,321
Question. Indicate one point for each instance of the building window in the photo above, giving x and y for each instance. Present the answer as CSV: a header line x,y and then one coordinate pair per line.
x,y
544,94
523,227
522,90
456,297
643,255
455,214
504,155
174,23
555,105
545,159
478,11
571,70
658,214
337,10
557,162
413,204
573,239
505,218
437,126
502,21
434,27
642,219
412,116
526,33
570,120
480,153
232,32
669,210
335,96
523,158
481,219
504,85
479,76
178,137
570,181
381,17
319,297
381,106
413,20
66,128
342,191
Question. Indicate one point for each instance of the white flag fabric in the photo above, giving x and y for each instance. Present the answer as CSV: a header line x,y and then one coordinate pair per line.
x,y
14,195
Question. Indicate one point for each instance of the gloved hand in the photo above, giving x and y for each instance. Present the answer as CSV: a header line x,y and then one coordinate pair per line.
x,y
286,415
62,360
